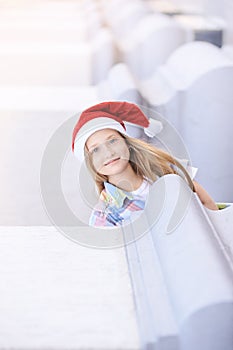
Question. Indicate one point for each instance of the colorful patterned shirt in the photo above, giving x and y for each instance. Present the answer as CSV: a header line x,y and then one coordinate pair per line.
x,y
116,206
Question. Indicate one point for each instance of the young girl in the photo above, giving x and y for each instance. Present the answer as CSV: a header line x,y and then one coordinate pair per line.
x,y
123,167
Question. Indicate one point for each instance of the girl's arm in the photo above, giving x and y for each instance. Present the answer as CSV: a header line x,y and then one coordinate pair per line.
x,y
205,198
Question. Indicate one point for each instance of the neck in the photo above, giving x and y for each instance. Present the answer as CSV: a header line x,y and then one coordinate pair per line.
x,y
126,180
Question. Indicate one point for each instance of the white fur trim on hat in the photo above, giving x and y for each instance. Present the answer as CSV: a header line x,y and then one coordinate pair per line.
x,y
154,128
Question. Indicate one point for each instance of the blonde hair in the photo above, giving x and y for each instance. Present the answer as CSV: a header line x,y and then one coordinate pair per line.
x,y
146,160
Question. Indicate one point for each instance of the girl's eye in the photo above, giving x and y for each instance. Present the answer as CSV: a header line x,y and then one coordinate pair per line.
x,y
112,141
94,150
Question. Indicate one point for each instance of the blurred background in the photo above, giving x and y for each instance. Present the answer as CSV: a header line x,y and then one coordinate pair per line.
x,y
58,57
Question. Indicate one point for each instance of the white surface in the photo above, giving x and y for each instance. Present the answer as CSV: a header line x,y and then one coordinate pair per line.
x,y
147,46
228,51
160,322
191,61
119,85
163,6
196,271
184,66
177,6
57,294
103,54
56,62
37,12
123,22
196,22
157,89
223,222
182,277
51,98
62,31
43,64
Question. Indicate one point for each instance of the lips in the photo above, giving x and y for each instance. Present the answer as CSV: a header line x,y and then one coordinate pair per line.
x,y
111,161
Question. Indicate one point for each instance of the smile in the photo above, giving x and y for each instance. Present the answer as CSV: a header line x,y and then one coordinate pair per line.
x,y
111,161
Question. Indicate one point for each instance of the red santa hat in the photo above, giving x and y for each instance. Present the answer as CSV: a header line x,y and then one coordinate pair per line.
x,y
110,115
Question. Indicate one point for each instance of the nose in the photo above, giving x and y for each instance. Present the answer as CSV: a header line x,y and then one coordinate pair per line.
x,y
108,150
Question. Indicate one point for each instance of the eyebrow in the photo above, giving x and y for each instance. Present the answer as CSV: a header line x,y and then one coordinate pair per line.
x,y
95,144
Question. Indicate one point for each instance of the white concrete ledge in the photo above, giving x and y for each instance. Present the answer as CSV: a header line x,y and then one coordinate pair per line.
x,y
56,62
147,46
181,273
119,84
56,294
51,98
43,64
62,31
223,223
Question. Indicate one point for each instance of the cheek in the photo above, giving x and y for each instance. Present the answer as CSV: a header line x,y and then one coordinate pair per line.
x,y
125,152
98,161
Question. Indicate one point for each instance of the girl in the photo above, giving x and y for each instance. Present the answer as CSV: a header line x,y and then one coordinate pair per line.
x,y
123,167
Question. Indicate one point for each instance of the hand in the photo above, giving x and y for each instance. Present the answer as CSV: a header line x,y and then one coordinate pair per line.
x,y
205,198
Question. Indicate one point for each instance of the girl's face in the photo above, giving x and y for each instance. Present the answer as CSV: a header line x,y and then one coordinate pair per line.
x,y
108,151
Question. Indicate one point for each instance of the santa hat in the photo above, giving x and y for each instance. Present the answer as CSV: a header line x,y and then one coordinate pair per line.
x,y
110,115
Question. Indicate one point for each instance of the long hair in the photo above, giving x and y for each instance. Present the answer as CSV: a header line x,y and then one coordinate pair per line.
x,y
146,160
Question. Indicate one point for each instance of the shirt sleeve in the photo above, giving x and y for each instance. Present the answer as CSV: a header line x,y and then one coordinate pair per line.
x,y
99,217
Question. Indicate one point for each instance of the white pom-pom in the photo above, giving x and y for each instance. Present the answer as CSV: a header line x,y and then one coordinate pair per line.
x,y
155,127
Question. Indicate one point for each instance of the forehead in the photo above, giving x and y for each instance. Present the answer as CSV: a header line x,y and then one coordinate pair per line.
x,y
100,136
